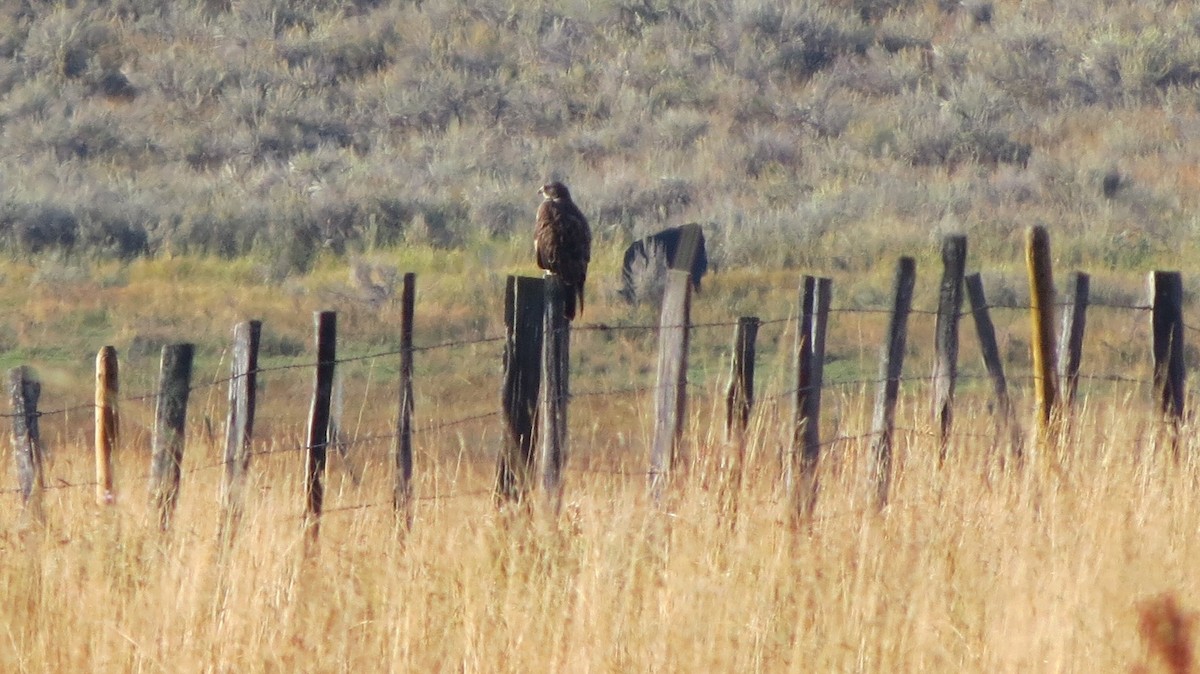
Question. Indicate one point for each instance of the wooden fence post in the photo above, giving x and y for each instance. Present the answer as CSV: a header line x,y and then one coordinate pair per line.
x,y
24,392
945,364
318,421
239,426
1070,344
1167,322
524,313
670,402
891,365
818,295
739,397
402,488
556,357
688,249
1041,286
107,423
991,359
170,419
802,363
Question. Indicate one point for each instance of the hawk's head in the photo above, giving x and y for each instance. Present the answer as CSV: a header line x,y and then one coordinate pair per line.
x,y
555,190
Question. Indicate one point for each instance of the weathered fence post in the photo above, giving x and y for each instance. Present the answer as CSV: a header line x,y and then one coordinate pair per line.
x,y
806,437
670,399
402,488
891,365
1006,415
317,442
1041,286
802,360
1070,344
24,392
739,397
556,356
239,426
107,423
1167,322
688,249
170,419
524,300
945,364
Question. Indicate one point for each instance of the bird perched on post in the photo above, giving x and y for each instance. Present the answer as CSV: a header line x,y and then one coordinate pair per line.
x,y
562,242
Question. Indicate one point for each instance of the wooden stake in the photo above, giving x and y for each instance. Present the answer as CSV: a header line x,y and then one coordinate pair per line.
x,y
170,421
1005,414
556,350
666,452
1070,343
1167,322
24,392
1041,285
402,490
891,366
805,496
945,364
107,423
239,426
318,421
739,396
524,313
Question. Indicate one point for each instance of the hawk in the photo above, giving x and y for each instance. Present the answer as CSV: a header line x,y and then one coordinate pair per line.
x,y
562,242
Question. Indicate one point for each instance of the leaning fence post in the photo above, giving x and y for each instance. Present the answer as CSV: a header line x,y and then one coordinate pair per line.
x,y
107,423
524,299
556,350
991,359
945,364
670,400
1167,323
1070,344
239,426
402,487
1041,285
170,418
817,295
318,421
891,365
24,392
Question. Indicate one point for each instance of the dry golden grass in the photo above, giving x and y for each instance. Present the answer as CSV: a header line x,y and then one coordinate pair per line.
x,y
1044,568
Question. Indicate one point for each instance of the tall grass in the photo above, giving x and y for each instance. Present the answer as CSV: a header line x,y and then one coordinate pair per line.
x,y
1047,567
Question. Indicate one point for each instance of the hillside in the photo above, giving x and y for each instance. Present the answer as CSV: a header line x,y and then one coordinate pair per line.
x,y
800,132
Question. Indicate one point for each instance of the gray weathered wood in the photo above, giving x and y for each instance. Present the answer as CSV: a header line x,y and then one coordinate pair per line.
x,y
524,312
1070,340
802,363
556,356
402,491
804,500
317,440
891,366
670,401
239,425
690,236
1167,323
107,423
945,363
985,329
739,396
170,421
24,392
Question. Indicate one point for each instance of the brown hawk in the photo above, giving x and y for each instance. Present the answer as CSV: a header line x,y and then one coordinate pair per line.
x,y
562,242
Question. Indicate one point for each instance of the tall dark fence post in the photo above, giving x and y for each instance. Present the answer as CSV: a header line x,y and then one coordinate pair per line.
x,y
556,356
318,421
671,391
107,423
524,300
170,421
402,487
1070,344
1041,287
817,296
802,364
945,364
1006,415
891,365
24,392
239,427
739,397
1167,323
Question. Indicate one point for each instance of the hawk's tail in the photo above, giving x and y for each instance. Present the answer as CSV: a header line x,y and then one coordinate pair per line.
x,y
572,297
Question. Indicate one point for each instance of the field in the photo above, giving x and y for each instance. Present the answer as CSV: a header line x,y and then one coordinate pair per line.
x,y
168,169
